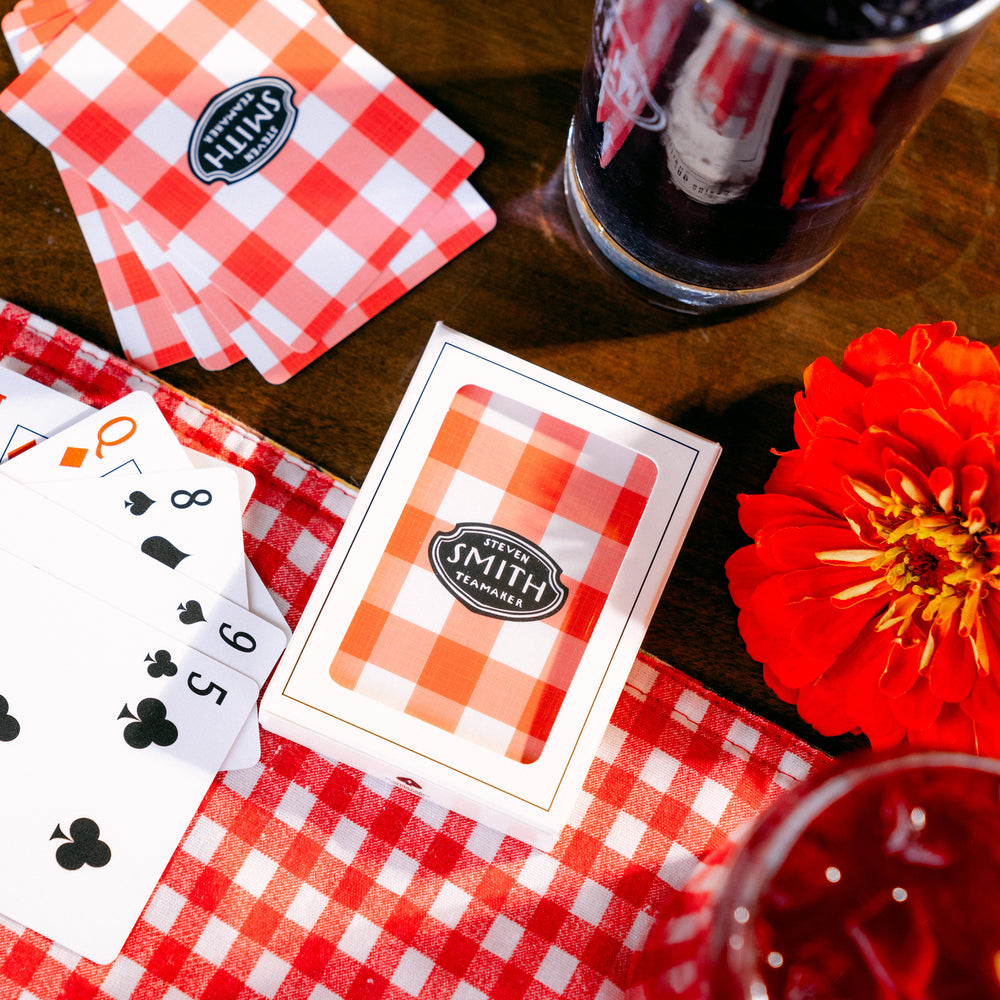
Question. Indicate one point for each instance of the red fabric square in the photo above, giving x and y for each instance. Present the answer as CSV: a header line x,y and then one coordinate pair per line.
x,y
385,124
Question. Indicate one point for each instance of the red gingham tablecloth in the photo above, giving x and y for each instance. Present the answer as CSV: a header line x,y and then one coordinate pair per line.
x,y
302,879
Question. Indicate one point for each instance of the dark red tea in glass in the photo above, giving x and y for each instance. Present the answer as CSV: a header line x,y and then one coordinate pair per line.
x,y
719,153
878,879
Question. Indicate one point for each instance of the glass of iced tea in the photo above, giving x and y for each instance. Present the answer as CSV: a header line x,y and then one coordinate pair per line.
x,y
720,150
876,879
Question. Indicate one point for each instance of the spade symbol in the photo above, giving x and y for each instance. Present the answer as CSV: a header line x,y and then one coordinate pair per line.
x,y
9,726
160,664
83,846
190,613
138,503
159,548
151,725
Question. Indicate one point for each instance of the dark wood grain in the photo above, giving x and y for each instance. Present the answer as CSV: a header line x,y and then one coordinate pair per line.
x,y
924,249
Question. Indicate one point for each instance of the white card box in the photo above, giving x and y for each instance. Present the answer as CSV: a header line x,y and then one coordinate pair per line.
x,y
480,611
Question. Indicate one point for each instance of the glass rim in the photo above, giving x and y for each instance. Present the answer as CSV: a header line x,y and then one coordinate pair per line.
x,y
976,14
751,873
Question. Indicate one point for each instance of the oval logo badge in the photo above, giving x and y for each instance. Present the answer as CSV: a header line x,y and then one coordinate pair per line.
x,y
241,129
496,572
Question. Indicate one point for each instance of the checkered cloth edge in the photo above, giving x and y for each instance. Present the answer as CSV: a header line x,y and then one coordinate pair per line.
x,y
304,879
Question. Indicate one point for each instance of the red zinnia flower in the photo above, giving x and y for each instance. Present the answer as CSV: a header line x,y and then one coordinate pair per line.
x,y
871,592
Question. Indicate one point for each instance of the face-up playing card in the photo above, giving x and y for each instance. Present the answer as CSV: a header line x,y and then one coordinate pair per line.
x,y
130,436
110,734
31,412
77,551
188,520
342,166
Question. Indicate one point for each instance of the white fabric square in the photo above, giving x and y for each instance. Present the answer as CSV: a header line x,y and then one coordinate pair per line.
x,y
268,974
592,902
295,806
386,687
395,191
113,189
557,969
96,234
164,908
678,866
359,938
307,552
570,544
538,871
503,937
711,800
123,978
307,906
483,729
346,840
450,904
626,834
215,941
255,873
297,11
525,646
659,770
412,972
204,839
606,459
397,872
743,736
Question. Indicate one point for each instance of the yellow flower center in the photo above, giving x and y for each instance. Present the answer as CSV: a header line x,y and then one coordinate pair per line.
x,y
938,563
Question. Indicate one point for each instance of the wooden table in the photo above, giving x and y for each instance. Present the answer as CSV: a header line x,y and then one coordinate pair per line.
x,y
924,249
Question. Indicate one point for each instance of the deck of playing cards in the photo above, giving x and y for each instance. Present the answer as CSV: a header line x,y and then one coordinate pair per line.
x,y
250,182
486,598
136,640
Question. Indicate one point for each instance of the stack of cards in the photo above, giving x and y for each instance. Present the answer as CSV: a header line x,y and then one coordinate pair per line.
x,y
250,182
137,637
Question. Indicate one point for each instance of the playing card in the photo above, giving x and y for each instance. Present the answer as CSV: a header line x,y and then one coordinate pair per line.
x,y
188,520
79,552
110,735
127,437
343,163
31,412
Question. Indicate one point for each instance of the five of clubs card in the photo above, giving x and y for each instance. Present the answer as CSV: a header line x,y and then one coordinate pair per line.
x,y
137,637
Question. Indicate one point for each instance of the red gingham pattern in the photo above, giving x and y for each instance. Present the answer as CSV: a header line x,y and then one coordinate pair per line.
x,y
303,879
368,163
411,645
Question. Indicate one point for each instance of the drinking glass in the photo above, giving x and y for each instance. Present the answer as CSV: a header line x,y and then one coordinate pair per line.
x,y
878,878
717,157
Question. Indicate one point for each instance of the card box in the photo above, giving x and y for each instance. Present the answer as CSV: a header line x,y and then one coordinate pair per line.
x,y
477,618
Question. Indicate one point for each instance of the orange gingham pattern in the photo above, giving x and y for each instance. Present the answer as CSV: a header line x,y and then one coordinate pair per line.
x,y
413,646
367,164
303,879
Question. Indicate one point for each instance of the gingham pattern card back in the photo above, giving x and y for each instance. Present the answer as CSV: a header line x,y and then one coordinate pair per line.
x,y
496,682
144,320
302,879
118,95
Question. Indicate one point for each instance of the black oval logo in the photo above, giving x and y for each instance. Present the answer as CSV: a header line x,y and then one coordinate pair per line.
x,y
241,129
496,572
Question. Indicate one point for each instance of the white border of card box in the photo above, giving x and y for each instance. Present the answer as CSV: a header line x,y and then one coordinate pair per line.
x,y
530,801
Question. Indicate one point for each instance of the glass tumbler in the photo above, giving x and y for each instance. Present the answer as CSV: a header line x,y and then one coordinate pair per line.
x,y
876,879
717,158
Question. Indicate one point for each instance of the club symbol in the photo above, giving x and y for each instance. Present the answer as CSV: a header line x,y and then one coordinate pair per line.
x,y
138,503
83,846
150,725
160,548
190,613
9,726
160,664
